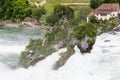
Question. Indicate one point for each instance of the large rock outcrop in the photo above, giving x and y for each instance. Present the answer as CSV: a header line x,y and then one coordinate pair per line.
x,y
84,45
58,38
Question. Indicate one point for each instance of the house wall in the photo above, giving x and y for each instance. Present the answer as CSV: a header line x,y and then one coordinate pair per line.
x,y
88,19
101,17
108,16
114,14
118,10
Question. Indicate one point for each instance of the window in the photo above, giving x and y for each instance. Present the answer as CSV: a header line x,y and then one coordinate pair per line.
x,y
97,14
101,19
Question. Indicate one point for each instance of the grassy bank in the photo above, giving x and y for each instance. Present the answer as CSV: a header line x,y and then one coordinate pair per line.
x,y
51,3
67,1
50,6
63,1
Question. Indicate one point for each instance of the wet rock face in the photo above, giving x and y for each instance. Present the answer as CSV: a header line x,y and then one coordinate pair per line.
x,y
62,44
87,50
34,61
63,58
117,28
59,45
84,45
74,41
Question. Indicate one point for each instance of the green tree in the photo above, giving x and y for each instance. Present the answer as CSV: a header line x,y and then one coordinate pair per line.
x,y
60,12
80,16
118,1
20,9
37,13
95,3
52,20
111,1
17,10
93,19
84,29
1,13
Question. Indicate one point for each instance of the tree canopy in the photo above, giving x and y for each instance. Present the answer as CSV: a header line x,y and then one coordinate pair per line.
x,y
95,3
93,19
18,10
84,29
60,12
80,16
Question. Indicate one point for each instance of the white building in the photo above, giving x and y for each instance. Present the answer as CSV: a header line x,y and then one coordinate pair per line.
x,y
106,11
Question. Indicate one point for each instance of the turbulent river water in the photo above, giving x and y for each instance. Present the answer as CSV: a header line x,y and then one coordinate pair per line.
x,y
12,41
102,64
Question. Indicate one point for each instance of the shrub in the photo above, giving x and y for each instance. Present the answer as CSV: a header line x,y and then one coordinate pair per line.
x,y
84,29
60,12
93,19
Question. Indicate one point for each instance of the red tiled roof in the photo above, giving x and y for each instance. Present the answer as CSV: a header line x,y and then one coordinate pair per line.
x,y
107,8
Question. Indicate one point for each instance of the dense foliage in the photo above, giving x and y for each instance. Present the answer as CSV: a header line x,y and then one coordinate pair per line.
x,y
95,3
93,19
80,16
85,29
17,10
56,35
107,25
60,12
37,48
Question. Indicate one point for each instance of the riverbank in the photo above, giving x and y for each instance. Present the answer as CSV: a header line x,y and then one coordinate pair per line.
x,y
12,25
23,25
77,4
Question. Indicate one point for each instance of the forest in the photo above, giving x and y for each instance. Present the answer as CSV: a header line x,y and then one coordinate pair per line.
x,y
17,10
95,3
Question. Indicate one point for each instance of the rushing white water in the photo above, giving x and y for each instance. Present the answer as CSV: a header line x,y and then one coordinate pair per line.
x,y
12,41
102,64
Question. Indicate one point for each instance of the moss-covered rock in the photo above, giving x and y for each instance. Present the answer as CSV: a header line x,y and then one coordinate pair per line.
x,y
27,58
63,58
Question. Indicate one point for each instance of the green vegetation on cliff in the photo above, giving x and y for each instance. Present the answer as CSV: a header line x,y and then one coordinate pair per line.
x,y
85,29
57,34
37,49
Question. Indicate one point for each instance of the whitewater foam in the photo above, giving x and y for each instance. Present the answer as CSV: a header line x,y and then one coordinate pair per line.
x,y
11,49
102,64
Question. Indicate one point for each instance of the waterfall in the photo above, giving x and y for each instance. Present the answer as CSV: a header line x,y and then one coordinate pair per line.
x,y
102,63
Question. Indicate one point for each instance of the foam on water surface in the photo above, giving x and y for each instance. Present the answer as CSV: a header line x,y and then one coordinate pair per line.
x,y
102,63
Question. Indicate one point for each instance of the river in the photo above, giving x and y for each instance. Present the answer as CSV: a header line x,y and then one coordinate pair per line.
x,y
102,64
12,41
